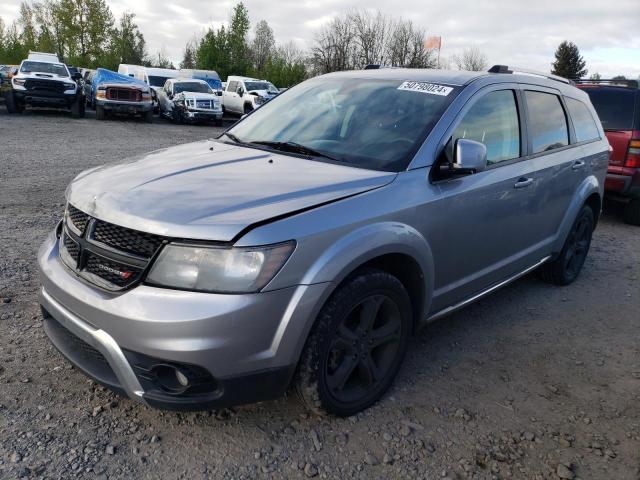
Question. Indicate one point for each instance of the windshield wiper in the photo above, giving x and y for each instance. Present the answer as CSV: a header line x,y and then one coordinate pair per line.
x,y
293,147
233,137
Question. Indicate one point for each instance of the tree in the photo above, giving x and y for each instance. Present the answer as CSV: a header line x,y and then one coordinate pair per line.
x,y
362,37
569,63
127,42
262,47
406,46
619,77
213,52
286,67
472,59
371,32
595,76
189,56
159,60
238,48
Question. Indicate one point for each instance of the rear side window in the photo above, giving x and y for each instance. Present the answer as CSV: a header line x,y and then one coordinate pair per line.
x,y
583,123
492,120
547,122
615,106
232,86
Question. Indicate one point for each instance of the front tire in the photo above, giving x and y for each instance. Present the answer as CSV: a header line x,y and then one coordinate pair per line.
x,y
148,116
356,346
100,113
631,214
10,103
567,266
76,109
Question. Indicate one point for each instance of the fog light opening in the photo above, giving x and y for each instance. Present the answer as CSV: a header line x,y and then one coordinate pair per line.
x,y
172,379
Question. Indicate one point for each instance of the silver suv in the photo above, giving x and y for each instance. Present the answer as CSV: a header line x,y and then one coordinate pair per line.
x,y
305,246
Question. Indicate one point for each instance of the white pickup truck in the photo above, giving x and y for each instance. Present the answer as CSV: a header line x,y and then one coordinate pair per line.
x,y
243,94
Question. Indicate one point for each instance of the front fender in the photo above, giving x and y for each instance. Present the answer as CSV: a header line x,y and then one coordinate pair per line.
x,y
359,246
331,267
588,187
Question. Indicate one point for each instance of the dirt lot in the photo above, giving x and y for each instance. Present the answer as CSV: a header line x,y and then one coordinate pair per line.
x,y
533,382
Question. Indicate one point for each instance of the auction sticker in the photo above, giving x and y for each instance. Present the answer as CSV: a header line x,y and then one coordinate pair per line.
x,y
424,87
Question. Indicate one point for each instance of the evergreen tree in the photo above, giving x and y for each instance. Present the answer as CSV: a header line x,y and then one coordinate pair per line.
x,y
238,48
189,57
262,47
569,63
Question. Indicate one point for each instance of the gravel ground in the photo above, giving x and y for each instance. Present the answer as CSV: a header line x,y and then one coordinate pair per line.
x,y
533,382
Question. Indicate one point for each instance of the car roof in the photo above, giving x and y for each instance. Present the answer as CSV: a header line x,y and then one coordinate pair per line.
x,y
460,78
164,72
231,78
187,80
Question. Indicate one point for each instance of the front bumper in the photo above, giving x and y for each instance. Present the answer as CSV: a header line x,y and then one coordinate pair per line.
x,y
246,345
202,115
125,107
45,99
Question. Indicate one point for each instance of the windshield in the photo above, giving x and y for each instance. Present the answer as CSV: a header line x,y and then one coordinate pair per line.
x,y
367,123
260,86
155,81
191,87
43,67
615,106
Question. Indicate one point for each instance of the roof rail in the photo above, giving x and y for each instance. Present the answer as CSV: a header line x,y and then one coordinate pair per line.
x,y
612,82
506,69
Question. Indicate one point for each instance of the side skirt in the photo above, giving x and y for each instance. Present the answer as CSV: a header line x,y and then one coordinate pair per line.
x,y
446,311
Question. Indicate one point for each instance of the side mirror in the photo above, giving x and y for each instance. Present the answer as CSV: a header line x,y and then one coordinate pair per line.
x,y
219,93
470,156
241,92
76,76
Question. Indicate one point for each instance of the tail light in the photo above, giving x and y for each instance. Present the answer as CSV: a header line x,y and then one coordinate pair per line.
x,y
633,155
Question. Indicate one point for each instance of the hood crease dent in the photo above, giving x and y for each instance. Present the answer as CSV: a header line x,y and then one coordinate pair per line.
x,y
210,190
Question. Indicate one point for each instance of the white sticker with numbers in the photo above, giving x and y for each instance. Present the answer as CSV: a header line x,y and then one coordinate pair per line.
x,y
424,87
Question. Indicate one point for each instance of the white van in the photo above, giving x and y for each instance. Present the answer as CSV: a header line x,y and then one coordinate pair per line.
x,y
43,57
156,78
128,70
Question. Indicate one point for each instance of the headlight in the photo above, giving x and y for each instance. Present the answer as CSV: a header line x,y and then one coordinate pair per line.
x,y
69,86
219,269
260,100
19,81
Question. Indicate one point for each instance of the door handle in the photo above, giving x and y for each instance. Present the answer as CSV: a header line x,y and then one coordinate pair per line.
x,y
577,165
523,182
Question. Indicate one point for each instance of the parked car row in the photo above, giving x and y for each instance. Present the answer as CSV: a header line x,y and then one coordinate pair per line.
x,y
186,95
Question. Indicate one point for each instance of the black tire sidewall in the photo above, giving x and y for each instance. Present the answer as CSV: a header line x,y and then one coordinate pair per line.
x,y
341,303
562,267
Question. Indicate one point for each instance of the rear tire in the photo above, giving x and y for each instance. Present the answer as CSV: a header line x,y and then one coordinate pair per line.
x,y
567,266
356,346
100,113
631,213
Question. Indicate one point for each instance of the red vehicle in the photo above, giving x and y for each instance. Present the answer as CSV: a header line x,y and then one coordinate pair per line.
x,y
618,105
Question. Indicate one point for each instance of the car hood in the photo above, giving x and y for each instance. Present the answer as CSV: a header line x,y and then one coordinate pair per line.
x,y
43,76
263,93
201,96
211,190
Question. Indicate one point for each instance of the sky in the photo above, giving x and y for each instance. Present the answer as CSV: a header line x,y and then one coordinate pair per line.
x,y
522,33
